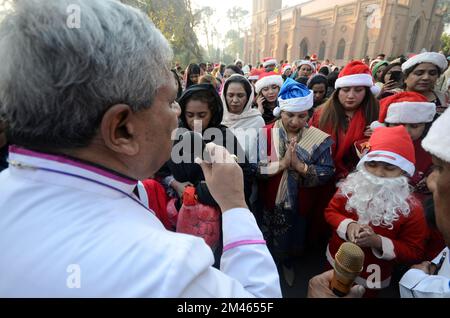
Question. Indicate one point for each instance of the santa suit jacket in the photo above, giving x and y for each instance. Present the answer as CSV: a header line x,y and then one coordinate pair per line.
x,y
404,243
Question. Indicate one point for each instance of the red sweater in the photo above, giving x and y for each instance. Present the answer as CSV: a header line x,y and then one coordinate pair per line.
x,y
407,237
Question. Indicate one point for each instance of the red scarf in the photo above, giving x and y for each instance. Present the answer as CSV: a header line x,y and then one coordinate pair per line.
x,y
344,141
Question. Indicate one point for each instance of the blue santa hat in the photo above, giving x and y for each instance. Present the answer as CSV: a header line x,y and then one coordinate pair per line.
x,y
294,97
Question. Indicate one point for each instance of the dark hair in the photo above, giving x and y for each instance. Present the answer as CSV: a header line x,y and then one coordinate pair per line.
x,y
302,79
332,77
318,79
191,69
386,70
333,115
324,70
307,57
177,79
235,69
205,93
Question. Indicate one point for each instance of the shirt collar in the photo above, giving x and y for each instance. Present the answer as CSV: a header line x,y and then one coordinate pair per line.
x,y
26,158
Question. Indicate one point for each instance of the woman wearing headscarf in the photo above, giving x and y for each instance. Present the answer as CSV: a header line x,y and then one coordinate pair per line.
x,y
238,114
201,105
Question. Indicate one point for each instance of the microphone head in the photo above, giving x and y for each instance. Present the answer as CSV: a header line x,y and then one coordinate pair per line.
x,y
349,258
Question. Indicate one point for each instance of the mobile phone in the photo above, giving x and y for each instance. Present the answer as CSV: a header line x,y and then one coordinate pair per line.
x,y
396,76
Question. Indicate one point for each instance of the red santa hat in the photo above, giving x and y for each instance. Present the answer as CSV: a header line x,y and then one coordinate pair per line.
x,y
392,145
254,75
286,67
314,57
437,141
437,59
405,108
356,73
267,79
269,61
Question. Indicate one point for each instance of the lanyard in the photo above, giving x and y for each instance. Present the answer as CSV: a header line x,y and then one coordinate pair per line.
x,y
25,166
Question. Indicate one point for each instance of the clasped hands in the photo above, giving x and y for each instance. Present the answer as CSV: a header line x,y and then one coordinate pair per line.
x,y
363,236
290,160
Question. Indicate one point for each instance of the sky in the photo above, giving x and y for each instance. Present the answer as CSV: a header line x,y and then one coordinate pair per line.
x,y
222,6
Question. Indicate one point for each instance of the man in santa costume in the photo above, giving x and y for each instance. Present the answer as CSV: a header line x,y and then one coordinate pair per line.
x,y
432,279
374,209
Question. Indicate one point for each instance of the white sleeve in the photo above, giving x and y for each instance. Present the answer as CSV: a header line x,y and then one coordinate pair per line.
x,y
247,268
417,284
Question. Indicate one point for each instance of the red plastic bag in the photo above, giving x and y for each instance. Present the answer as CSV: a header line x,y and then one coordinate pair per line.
x,y
172,213
199,219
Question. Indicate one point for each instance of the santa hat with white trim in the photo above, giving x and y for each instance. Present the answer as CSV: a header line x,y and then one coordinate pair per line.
x,y
405,108
356,73
254,75
294,97
437,59
268,79
437,141
286,67
306,62
394,146
269,61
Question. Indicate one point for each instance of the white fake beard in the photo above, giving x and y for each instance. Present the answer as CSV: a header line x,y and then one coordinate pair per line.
x,y
378,201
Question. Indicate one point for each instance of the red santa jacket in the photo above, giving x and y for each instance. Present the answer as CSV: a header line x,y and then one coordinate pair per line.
x,y
404,243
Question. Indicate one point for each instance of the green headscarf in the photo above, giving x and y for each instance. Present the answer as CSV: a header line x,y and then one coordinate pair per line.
x,y
375,69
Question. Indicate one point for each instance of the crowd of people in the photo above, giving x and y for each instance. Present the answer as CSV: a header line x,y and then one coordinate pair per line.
x,y
309,155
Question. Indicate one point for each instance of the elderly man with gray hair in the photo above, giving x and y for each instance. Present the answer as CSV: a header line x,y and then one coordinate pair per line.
x,y
89,112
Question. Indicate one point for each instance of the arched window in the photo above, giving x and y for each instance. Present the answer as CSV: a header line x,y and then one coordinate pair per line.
x,y
415,33
285,51
340,50
322,50
303,48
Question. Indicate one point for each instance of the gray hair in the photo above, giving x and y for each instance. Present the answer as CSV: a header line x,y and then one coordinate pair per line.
x,y
57,82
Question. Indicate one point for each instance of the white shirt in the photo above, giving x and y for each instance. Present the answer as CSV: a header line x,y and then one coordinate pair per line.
x,y
70,229
417,284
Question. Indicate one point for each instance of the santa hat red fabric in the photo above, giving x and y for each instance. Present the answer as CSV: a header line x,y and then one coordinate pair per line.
x,y
254,75
269,61
356,73
267,79
314,57
392,145
405,108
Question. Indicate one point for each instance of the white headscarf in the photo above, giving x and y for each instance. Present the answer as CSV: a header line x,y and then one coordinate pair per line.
x,y
249,118
245,126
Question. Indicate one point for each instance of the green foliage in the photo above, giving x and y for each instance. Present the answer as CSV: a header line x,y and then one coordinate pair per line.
x,y
177,21
233,39
445,43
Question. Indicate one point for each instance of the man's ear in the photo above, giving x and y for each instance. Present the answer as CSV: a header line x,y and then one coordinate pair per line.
x,y
118,130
